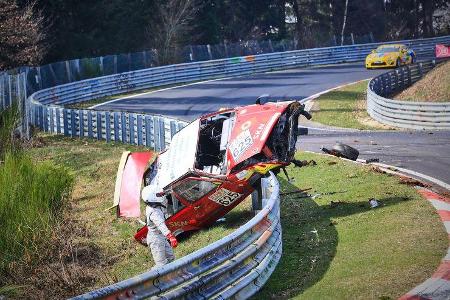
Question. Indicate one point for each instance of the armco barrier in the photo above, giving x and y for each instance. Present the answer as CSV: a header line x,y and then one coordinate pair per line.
x,y
236,266
86,123
405,114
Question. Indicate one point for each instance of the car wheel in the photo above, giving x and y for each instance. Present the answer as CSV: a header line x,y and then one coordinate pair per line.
x,y
398,63
346,151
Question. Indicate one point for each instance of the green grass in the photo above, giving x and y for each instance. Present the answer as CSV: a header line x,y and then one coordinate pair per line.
x,y
345,250
344,107
32,198
337,247
111,239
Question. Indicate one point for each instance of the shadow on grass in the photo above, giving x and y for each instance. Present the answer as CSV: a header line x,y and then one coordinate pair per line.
x,y
310,241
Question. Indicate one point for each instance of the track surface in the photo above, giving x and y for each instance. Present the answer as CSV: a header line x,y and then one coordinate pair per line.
x,y
189,102
427,152
416,150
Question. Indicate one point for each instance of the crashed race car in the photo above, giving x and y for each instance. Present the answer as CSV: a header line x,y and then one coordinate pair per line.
x,y
218,160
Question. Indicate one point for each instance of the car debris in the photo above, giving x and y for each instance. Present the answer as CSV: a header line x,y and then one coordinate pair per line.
x,y
373,203
342,150
219,159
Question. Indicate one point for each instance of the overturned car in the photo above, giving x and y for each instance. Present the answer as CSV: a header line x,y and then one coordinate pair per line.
x,y
218,160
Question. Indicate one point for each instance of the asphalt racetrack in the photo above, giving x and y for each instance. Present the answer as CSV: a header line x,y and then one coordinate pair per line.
x,y
191,101
422,151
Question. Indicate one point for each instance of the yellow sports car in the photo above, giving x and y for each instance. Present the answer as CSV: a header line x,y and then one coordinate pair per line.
x,y
393,55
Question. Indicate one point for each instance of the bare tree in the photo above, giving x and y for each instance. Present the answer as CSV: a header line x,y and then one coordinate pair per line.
x,y
172,28
22,35
344,22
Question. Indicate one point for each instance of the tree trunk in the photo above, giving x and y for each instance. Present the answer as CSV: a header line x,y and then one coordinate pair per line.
x,y
344,22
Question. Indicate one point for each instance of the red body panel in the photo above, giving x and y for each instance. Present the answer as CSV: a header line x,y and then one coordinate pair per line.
x,y
129,205
251,130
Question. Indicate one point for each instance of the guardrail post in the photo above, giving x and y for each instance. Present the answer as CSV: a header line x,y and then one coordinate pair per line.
x,y
421,70
73,123
50,110
116,127
148,131
123,123
173,129
65,122
108,126
81,121
99,126
139,130
131,124
90,125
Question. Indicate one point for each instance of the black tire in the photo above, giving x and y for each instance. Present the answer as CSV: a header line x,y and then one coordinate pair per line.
x,y
398,63
302,131
346,151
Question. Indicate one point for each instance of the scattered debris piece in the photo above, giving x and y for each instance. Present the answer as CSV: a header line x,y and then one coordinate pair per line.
x,y
303,163
373,203
221,220
377,170
342,150
294,192
413,182
369,160
326,193
373,143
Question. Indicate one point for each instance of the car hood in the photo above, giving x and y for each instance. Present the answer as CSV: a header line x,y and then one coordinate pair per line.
x,y
180,157
252,128
382,55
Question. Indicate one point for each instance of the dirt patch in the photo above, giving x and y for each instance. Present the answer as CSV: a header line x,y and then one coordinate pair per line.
x,y
62,268
434,87
412,182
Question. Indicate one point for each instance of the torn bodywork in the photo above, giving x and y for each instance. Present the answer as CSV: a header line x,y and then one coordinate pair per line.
x,y
218,160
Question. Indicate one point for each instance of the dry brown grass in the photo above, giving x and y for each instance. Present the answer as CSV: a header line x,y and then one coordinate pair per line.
x,y
434,87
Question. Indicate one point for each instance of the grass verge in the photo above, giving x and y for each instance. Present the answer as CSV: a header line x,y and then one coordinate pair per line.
x,y
98,249
345,107
337,247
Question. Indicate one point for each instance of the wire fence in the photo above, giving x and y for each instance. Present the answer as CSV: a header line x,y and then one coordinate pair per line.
x,y
62,72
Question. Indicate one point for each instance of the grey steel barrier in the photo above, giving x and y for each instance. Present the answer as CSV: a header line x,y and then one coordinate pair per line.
x,y
175,74
236,266
405,114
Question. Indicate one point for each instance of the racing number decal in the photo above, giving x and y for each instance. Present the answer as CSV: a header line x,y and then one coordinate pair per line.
x,y
224,197
242,142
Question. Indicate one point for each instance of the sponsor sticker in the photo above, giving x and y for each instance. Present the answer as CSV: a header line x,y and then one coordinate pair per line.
x,y
225,197
242,142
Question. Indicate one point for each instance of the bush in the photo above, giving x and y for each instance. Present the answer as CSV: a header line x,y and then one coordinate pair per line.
x,y
9,120
32,197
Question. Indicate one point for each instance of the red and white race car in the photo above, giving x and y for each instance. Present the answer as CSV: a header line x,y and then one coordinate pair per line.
x,y
218,160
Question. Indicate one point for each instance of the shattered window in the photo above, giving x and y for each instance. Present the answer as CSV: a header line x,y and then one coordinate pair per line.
x,y
192,190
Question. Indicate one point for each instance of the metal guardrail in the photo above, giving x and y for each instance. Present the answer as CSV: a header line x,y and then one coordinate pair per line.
x,y
236,266
405,114
158,130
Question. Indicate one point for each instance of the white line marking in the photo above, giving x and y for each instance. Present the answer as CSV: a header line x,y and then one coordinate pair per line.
x,y
158,90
